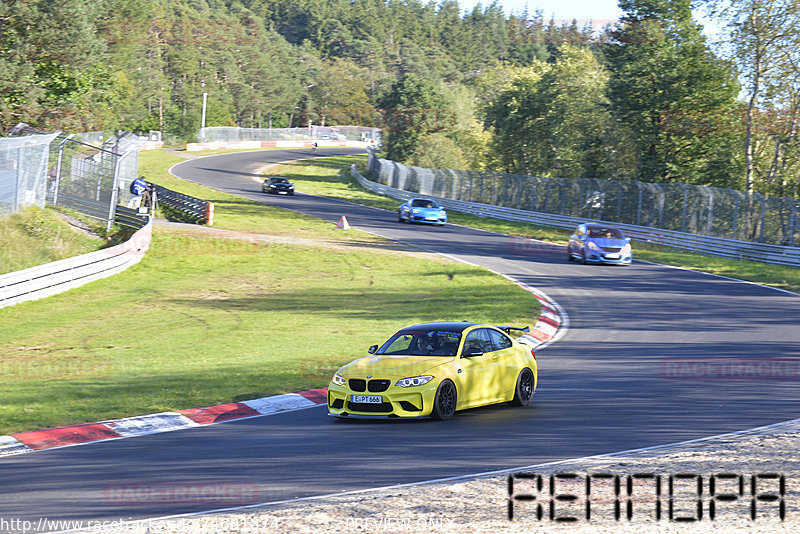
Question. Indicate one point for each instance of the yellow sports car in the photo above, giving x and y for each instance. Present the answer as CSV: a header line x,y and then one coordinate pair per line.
x,y
434,369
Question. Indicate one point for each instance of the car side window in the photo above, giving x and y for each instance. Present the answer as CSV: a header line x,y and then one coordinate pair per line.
x,y
478,339
499,340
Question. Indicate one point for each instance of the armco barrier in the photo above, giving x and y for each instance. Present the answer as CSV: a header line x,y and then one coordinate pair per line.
x,y
184,207
697,243
59,276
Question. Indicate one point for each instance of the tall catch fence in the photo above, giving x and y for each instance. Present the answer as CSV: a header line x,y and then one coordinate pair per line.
x,y
312,133
90,173
692,209
23,172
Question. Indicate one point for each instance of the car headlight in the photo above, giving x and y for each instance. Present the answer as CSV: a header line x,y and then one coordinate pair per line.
x,y
415,210
593,247
626,249
442,213
414,381
272,185
338,379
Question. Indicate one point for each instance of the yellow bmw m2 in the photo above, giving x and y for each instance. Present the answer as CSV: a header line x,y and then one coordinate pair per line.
x,y
434,369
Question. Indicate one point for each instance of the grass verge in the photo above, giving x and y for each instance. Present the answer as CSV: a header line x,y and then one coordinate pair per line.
x,y
213,315
309,178
35,236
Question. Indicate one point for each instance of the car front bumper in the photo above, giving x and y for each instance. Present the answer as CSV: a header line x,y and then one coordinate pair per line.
x,y
427,220
395,401
619,259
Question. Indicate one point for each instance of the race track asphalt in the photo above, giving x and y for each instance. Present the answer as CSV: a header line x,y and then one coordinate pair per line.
x,y
608,385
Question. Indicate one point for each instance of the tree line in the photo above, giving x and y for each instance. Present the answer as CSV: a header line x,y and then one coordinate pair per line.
x,y
646,98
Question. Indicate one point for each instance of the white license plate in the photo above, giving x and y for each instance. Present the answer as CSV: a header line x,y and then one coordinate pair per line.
x,y
612,256
431,218
282,192
368,399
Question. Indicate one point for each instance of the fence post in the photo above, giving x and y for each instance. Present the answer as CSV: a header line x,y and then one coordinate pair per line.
x,y
736,213
710,209
18,178
59,166
112,209
685,206
639,205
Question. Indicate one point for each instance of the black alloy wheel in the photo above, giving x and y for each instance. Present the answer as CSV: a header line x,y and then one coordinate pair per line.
x,y
523,394
444,403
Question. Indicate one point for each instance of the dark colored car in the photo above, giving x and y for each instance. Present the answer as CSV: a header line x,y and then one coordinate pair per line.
x,y
277,186
599,243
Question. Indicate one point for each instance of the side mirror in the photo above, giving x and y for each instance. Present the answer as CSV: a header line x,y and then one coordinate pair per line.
x,y
627,239
472,351
373,349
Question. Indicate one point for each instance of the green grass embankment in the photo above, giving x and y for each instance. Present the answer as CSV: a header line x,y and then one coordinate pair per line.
x,y
212,316
35,236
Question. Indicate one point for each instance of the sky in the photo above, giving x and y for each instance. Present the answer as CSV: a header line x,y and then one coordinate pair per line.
x,y
599,12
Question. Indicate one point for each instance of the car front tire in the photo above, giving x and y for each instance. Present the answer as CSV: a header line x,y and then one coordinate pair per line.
x,y
444,403
523,393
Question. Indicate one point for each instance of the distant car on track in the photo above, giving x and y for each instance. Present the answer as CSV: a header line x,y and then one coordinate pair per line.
x,y
422,210
434,369
277,186
599,243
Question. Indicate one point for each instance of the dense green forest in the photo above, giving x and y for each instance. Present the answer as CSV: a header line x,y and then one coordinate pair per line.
x,y
645,98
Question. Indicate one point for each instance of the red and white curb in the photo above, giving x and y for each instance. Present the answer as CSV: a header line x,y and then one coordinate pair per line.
x,y
550,326
552,323
160,422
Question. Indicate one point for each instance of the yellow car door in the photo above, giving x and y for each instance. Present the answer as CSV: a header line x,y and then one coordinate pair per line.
x,y
506,361
477,369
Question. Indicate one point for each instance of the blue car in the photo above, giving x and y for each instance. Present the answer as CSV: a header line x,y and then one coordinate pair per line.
x,y
422,210
599,243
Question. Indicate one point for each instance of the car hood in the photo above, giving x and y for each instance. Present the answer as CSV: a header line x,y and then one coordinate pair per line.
x,y
393,366
604,242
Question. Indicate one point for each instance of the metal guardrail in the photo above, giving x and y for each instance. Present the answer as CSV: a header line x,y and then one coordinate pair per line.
x,y
99,210
685,208
59,276
716,246
184,207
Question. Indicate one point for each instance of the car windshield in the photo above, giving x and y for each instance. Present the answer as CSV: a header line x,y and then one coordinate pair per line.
x,y
605,233
422,203
278,180
422,343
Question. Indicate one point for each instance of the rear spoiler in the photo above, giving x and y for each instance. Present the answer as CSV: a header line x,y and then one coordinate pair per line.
x,y
507,329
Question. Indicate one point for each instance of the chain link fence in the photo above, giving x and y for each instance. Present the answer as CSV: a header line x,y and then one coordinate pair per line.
x,y
23,172
92,173
684,208
228,134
